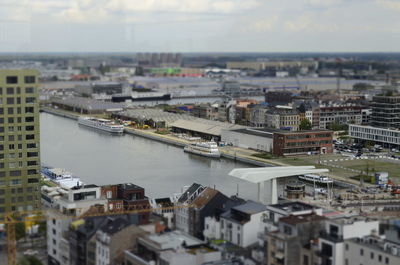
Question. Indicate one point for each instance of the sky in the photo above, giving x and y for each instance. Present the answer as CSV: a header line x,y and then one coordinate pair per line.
x,y
200,26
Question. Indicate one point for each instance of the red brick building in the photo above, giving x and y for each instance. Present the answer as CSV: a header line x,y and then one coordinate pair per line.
x,y
302,142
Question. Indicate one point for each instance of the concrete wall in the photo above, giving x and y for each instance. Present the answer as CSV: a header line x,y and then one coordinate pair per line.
x,y
247,141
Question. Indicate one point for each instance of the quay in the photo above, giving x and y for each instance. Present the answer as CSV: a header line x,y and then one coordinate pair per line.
x,y
228,152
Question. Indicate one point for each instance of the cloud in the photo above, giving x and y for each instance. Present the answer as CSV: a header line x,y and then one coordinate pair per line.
x,y
390,4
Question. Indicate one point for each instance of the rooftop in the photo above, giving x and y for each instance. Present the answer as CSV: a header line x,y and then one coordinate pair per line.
x,y
250,207
172,240
111,226
89,104
304,218
292,206
186,194
205,196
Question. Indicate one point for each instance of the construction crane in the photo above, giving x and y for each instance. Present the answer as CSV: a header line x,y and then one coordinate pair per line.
x,y
12,218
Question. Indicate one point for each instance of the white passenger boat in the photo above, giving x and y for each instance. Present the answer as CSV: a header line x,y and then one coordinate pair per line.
x,y
61,177
208,149
101,124
316,179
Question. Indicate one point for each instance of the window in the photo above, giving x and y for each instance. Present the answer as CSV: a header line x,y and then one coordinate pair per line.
x,y
346,262
32,154
2,175
287,230
30,100
380,258
29,79
30,128
372,255
15,182
11,146
386,260
10,120
347,247
10,90
29,90
32,163
361,252
11,137
29,109
31,145
1,111
305,260
33,180
10,110
30,137
29,119
11,79
32,172
15,173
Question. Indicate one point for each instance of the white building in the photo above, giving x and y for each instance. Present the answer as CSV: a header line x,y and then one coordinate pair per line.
x,y
65,205
371,250
182,213
240,224
257,139
212,228
331,243
386,137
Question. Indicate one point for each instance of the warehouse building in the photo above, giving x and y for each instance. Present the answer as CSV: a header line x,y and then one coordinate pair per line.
x,y
280,142
206,129
86,105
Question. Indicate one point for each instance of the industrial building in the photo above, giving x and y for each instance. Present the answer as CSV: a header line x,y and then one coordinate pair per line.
x,y
280,142
86,105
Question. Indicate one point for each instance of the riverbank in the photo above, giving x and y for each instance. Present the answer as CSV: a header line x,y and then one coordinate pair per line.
x,y
228,152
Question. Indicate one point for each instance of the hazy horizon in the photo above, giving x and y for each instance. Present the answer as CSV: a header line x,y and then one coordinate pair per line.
x,y
200,26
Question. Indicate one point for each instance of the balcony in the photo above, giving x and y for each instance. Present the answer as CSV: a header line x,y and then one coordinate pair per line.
x,y
331,237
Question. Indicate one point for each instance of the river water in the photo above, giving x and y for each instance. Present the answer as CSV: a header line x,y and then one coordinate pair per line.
x,y
99,158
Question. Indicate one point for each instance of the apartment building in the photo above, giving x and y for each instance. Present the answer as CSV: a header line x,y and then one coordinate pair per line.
x,y
386,112
339,114
331,244
283,118
240,224
19,141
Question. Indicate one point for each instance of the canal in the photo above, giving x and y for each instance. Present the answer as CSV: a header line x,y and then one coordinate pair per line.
x,y
99,158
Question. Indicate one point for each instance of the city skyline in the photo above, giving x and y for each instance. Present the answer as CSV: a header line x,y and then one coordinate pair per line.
x,y
200,26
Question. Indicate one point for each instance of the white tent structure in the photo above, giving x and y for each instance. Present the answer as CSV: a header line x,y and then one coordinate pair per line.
x,y
260,175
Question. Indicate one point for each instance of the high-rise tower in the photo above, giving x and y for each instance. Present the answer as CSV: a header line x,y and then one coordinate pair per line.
x,y
19,141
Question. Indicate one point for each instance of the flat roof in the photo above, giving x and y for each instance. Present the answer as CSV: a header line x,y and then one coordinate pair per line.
x,y
304,218
89,104
268,132
293,206
251,207
173,240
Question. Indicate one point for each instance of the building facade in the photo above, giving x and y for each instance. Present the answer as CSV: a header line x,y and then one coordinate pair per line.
x,y
388,138
386,112
19,136
303,142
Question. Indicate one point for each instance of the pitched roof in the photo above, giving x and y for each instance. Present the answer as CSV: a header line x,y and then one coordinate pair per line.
x,y
204,197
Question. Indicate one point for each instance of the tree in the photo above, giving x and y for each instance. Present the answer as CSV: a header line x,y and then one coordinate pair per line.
x,y
20,230
305,124
29,260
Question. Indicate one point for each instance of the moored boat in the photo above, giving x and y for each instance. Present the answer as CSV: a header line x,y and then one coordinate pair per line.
x,y
101,124
208,149
316,179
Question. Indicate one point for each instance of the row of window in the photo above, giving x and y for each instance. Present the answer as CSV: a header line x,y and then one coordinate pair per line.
x,y
28,79
15,182
13,146
371,256
19,190
17,119
17,128
17,110
17,90
17,199
17,100
20,208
